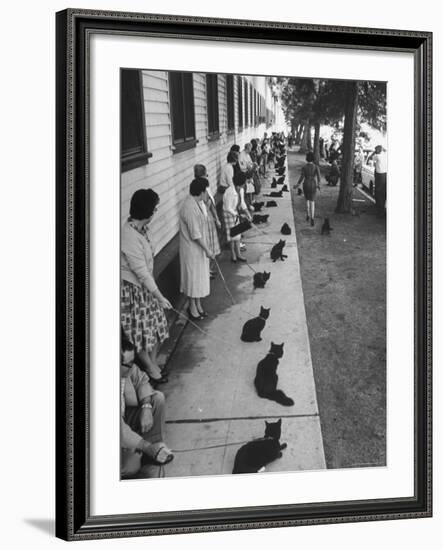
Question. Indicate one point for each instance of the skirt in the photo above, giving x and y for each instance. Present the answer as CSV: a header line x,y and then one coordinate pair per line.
x,y
230,222
142,318
213,242
309,190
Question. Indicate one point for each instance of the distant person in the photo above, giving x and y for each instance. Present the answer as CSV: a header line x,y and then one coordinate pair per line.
x,y
194,249
334,174
380,168
310,177
255,157
358,165
246,166
227,172
233,207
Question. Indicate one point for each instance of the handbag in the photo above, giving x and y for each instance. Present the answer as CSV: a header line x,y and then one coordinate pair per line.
x,y
240,228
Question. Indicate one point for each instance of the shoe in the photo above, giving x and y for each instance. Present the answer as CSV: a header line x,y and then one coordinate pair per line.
x,y
242,259
307,218
312,223
203,313
234,260
156,381
192,316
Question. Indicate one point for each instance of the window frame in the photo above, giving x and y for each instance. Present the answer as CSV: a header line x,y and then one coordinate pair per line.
x,y
240,102
134,159
230,103
212,110
182,144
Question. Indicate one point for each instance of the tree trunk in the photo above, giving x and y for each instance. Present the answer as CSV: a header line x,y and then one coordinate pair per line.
x,y
317,143
344,203
304,138
299,133
309,137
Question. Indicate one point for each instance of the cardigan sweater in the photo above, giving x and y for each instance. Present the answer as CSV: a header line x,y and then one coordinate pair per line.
x,y
137,260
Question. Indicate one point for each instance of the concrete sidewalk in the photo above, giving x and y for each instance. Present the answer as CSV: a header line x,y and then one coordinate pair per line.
x,y
211,398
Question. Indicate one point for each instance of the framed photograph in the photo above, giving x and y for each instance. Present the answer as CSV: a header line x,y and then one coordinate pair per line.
x,y
243,274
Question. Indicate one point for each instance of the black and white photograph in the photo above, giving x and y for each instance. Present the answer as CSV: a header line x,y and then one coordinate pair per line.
x,y
253,273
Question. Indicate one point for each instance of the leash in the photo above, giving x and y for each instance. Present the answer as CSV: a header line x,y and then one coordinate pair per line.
x,y
225,284
210,447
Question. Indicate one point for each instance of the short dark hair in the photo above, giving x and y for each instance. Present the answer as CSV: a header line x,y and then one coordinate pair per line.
x,y
143,204
232,156
310,157
198,185
235,148
199,170
239,178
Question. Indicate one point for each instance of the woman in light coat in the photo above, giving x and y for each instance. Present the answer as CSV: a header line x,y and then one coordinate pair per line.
x,y
194,250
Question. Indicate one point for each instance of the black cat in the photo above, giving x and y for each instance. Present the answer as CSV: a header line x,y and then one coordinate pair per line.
x,y
274,184
281,180
285,188
277,251
271,203
261,278
252,329
266,378
285,229
326,228
281,171
275,194
257,206
260,218
256,454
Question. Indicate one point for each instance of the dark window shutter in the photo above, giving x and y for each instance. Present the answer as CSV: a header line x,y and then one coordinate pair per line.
x,y
132,120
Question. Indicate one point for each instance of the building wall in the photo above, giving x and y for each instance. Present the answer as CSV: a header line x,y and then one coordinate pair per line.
x,y
170,174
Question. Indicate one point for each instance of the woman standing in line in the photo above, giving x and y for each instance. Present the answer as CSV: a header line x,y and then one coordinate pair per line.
x,y
142,304
194,250
310,177
232,206
255,157
211,216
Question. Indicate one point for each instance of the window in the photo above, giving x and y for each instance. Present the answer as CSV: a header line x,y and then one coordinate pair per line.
x,y
230,101
212,104
181,97
251,105
256,108
246,104
134,151
240,102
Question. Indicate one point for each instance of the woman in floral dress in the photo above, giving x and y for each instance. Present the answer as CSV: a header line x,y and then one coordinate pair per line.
x,y
142,304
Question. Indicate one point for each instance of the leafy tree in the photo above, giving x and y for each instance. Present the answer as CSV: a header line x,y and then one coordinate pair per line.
x,y
308,101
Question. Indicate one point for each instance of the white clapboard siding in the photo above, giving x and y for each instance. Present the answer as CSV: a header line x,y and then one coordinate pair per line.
x,y
169,173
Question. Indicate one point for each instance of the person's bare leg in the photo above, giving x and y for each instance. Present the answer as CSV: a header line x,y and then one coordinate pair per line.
x,y
237,250
312,210
199,306
308,210
148,365
232,247
153,354
193,307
